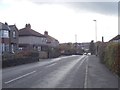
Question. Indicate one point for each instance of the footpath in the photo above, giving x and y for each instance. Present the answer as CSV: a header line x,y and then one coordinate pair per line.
x,y
99,76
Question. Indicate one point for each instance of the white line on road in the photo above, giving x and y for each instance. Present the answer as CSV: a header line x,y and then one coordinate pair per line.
x,y
86,74
20,77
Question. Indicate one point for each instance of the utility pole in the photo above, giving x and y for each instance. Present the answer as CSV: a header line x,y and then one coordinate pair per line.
x,y
96,36
75,38
76,43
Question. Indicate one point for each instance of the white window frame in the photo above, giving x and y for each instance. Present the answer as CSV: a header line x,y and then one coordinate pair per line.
x,y
5,33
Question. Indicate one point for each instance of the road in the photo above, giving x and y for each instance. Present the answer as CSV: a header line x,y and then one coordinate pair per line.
x,y
63,72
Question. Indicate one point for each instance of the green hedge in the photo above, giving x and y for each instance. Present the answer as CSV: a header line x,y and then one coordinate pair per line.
x,y
109,54
19,55
19,58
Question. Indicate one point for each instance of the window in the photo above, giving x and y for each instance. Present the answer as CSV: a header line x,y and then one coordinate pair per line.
x,y
0,33
4,33
7,47
20,48
14,34
0,48
12,48
39,48
3,47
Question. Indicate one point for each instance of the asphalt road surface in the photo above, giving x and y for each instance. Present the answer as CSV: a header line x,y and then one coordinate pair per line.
x,y
63,72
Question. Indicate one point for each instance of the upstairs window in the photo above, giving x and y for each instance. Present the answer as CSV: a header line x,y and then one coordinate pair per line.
x,y
14,34
4,33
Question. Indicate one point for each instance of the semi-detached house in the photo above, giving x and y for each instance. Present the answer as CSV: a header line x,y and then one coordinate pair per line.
x,y
8,38
29,39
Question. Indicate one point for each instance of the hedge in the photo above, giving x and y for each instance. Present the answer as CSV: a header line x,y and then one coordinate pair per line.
x,y
19,58
109,54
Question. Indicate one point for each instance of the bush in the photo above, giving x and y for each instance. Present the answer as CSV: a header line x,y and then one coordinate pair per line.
x,y
109,54
19,58
101,51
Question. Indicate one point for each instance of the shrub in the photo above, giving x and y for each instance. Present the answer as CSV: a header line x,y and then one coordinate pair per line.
x,y
101,51
112,57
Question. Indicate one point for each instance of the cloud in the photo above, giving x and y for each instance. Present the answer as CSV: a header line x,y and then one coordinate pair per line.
x,y
109,8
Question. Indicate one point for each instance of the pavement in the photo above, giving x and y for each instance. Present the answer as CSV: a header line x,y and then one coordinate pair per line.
x,y
99,76
76,71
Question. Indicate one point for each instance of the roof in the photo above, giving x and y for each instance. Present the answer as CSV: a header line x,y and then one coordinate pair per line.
x,y
29,32
13,27
50,38
4,26
115,38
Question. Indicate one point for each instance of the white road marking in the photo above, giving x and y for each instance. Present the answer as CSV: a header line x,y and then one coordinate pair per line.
x,y
58,75
20,77
86,75
51,65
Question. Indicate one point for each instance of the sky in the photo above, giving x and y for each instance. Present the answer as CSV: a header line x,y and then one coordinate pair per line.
x,y
64,20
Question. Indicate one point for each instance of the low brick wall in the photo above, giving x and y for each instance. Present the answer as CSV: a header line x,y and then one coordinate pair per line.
x,y
43,55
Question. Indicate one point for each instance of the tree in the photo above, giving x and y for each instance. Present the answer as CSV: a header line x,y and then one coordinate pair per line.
x,y
92,47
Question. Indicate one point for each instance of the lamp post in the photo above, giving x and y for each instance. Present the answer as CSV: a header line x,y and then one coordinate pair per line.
x,y
96,36
95,29
75,43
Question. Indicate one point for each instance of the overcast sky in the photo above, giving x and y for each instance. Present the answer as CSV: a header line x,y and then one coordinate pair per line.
x,y
63,20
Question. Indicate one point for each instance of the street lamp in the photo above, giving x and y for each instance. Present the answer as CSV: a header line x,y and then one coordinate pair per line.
x,y
95,29
96,36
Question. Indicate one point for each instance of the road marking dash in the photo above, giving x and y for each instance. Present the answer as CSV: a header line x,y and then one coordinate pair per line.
x,y
19,77
86,74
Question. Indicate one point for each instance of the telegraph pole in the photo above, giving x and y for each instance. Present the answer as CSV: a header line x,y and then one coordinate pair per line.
x,y
96,36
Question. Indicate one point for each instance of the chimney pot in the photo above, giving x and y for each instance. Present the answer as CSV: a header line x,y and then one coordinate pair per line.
x,y
46,33
28,26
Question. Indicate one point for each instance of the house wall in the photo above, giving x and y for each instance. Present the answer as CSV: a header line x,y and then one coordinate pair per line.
x,y
32,40
52,42
14,40
116,40
5,41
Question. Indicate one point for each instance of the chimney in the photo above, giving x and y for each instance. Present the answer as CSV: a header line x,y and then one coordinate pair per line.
x,y
102,39
28,26
46,33
6,23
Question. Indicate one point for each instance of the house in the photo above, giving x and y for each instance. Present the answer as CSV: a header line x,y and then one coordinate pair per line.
x,y
9,38
115,39
29,39
85,46
13,38
51,42
52,46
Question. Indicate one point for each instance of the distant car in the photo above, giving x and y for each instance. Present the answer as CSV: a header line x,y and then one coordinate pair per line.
x,y
85,54
89,53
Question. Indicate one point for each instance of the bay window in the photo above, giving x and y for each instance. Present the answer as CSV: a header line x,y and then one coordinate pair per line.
x,y
4,33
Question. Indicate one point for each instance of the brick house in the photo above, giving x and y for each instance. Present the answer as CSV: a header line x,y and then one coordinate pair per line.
x,y
9,38
29,39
